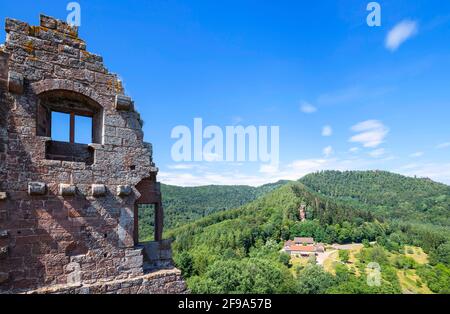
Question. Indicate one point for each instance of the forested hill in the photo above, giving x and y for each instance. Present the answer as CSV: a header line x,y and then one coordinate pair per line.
x,y
389,194
238,250
275,215
186,204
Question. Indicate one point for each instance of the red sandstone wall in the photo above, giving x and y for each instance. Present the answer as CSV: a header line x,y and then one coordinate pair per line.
x,y
54,237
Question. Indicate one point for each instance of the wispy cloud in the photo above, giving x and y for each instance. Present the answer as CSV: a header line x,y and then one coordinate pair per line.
x,y
377,153
327,130
416,154
328,151
400,33
434,171
294,170
371,133
443,145
181,166
306,107
269,168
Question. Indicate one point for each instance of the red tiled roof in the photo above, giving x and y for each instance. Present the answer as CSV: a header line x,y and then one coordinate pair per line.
x,y
303,240
302,248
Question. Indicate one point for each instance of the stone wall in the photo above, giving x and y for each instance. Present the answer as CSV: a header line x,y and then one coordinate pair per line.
x,y
64,222
158,282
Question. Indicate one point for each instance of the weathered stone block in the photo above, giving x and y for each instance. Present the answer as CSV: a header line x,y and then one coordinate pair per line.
x,y
98,190
67,190
47,21
125,228
3,196
37,188
123,102
134,261
67,29
124,190
16,26
4,57
15,82
4,234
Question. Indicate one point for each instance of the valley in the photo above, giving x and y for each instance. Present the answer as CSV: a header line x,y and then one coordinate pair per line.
x,y
399,223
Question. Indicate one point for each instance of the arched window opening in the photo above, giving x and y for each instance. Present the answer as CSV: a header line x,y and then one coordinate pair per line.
x,y
72,121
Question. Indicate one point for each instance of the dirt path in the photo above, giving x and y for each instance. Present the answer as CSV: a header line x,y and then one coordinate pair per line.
x,y
353,246
322,257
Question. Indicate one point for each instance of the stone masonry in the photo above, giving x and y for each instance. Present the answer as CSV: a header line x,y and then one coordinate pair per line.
x,y
68,211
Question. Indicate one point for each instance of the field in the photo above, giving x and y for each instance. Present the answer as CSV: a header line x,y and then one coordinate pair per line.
x,y
409,281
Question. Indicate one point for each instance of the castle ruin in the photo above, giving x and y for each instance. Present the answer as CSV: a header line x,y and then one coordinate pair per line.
x,y
69,211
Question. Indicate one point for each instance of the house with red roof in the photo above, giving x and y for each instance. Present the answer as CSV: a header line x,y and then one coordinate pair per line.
x,y
302,247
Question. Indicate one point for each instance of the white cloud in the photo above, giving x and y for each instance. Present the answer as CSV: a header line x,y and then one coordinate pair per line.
x,y
417,154
377,152
354,150
181,166
327,130
434,171
328,151
209,174
307,108
269,168
371,133
400,33
443,145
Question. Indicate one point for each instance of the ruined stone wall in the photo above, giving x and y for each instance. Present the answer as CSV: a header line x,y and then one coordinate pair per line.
x,y
65,222
158,282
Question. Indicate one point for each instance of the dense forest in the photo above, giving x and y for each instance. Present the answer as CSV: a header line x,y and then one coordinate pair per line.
x,y
237,250
389,194
187,204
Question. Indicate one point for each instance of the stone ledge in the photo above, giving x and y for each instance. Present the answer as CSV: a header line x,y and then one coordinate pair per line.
x,y
124,190
37,188
67,190
98,190
123,103
163,281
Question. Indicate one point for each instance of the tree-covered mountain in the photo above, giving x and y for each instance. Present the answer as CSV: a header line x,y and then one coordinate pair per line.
x,y
186,204
237,250
389,194
183,205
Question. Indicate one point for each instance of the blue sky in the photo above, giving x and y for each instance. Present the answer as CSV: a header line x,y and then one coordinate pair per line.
x,y
381,93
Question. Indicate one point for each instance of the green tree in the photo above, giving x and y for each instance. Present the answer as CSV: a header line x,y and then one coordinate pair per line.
x,y
314,280
344,256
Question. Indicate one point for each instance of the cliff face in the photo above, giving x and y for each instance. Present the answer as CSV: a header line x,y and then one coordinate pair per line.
x,y
68,210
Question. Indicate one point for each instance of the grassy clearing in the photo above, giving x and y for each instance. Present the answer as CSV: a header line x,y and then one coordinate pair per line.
x,y
417,254
411,283
297,262
330,263
353,260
